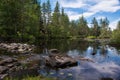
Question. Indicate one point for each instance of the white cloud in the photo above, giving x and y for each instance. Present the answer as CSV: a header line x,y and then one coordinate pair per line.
x,y
103,6
72,4
88,14
90,6
106,6
113,24
73,15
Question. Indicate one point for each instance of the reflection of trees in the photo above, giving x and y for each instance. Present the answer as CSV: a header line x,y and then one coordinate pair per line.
x,y
103,50
63,45
82,46
95,47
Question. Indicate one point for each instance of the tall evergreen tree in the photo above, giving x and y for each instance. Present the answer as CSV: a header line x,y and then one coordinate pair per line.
x,y
64,23
44,11
105,31
83,29
48,6
56,15
95,28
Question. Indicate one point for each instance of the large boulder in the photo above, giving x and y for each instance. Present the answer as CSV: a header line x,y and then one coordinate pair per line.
x,y
60,61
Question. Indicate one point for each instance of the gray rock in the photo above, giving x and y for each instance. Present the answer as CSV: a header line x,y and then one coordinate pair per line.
x,y
2,76
17,47
6,61
3,69
60,61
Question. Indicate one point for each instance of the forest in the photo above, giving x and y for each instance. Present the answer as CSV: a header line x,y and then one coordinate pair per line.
x,y
31,20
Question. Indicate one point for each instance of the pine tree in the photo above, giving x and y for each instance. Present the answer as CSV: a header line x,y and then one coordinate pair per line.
x,y
48,6
64,23
105,31
44,11
95,28
56,15
83,29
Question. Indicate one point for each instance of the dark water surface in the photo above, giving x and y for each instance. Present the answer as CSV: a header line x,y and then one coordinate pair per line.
x,y
106,59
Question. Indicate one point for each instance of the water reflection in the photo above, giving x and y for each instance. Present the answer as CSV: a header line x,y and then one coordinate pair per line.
x,y
106,58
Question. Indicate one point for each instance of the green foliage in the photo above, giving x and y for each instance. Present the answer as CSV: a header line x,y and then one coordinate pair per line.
x,y
105,30
91,37
29,21
83,29
20,19
116,34
95,30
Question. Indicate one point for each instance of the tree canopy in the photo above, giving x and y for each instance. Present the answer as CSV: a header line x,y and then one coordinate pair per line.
x,y
30,20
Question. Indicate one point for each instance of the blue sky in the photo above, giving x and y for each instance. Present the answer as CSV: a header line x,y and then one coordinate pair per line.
x,y
91,8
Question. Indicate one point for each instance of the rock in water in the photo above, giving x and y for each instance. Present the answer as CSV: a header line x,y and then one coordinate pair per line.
x,y
60,61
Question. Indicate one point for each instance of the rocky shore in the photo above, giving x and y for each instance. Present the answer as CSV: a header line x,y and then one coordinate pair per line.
x,y
8,65
17,47
26,59
21,55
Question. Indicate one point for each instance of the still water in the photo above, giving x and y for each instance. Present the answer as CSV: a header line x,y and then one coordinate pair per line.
x,y
106,65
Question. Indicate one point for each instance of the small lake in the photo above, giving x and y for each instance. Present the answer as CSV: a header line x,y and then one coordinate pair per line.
x,y
106,65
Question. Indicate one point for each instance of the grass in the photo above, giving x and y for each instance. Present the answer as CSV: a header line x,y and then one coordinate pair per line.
x,y
31,78
91,37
